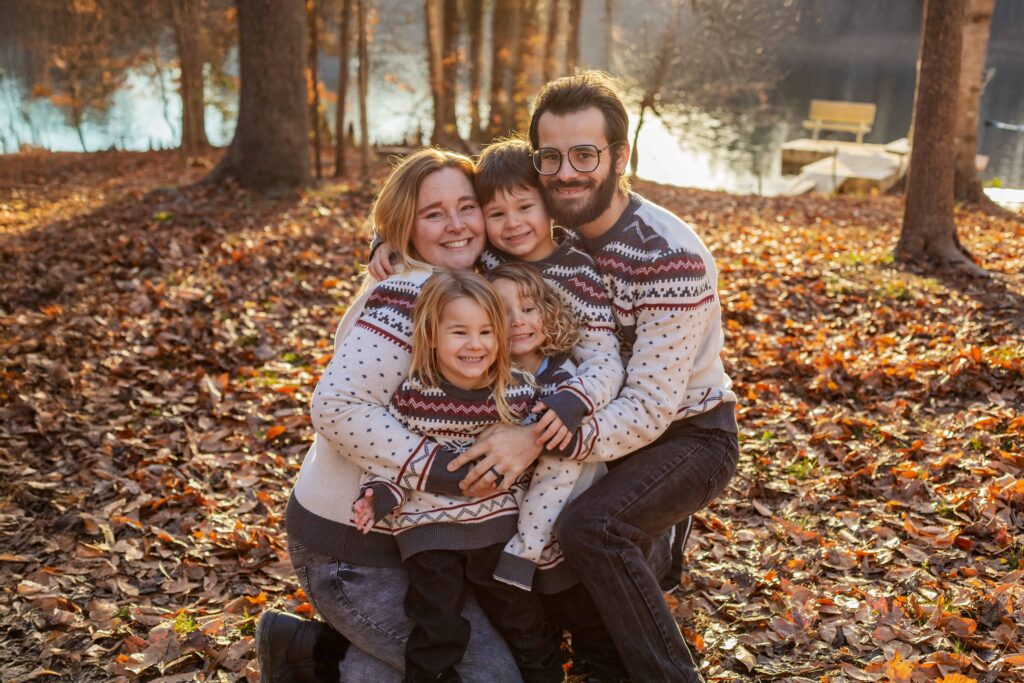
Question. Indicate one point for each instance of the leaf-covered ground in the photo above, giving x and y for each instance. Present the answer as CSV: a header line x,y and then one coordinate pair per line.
x,y
159,344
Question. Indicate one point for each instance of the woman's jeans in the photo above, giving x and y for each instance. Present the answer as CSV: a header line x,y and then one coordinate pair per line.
x,y
608,532
365,604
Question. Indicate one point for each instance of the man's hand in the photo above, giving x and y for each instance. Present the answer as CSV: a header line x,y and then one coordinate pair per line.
x,y
380,265
552,434
504,451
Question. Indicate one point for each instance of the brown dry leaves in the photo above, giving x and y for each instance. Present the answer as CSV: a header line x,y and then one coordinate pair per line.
x,y
159,351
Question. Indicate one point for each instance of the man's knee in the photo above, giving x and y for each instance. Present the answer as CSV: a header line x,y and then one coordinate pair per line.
x,y
577,530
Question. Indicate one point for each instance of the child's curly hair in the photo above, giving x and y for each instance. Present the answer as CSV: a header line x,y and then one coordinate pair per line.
x,y
561,332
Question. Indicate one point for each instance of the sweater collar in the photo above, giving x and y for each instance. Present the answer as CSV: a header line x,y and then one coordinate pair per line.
x,y
625,220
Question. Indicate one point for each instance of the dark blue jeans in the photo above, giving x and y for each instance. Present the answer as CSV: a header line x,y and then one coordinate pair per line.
x,y
607,533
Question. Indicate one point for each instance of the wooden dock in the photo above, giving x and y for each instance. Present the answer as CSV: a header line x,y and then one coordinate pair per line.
x,y
838,166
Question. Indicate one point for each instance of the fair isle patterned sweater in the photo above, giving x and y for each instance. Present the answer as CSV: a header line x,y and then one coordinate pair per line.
x,y
452,417
572,274
663,284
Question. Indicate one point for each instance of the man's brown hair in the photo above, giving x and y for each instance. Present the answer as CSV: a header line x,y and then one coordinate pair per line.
x,y
504,165
586,89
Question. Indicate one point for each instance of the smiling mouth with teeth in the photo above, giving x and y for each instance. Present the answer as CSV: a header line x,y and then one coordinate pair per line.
x,y
457,244
518,238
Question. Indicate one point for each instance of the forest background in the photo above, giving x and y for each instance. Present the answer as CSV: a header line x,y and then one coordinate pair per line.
x,y
166,316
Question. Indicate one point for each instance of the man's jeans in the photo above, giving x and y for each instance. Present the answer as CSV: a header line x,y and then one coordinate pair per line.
x,y
608,531
365,604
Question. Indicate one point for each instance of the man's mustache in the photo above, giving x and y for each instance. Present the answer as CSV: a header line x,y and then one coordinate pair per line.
x,y
567,184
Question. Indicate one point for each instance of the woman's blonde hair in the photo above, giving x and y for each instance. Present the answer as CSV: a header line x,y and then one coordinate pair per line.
x,y
560,329
443,287
394,210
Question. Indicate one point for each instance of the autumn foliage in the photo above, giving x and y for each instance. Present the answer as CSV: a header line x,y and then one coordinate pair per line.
x,y
160,343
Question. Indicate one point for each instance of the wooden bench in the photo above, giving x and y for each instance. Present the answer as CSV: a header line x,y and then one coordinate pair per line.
x,y
844,117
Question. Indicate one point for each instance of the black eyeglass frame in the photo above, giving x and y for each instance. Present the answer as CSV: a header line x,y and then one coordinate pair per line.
x,y
535,157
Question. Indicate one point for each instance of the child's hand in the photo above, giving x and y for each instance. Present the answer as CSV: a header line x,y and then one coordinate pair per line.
x,y
380,265
363,511
552,434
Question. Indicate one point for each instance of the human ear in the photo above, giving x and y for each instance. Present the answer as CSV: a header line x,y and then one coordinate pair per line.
x,y
622,151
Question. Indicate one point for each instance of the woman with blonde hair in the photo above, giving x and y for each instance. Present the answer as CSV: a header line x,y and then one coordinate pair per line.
x,y
428,211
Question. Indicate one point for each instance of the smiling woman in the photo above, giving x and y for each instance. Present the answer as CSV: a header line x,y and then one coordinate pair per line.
x,y
428,211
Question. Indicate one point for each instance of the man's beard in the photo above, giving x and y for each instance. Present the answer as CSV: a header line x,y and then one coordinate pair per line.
x,y
565,214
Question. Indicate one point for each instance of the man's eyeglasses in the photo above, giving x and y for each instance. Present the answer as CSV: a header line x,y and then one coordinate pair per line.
x,y
584,158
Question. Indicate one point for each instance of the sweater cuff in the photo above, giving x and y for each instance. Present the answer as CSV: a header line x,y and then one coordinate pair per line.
x,y
439,480
385,499
374,243
567,404
515,571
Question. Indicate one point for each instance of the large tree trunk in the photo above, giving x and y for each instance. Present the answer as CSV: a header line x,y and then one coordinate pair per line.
x,y
929,231
442,47
339,118
475,12
270,148
502,21
187,32
527,63
572,42
977,26
362,25
313,19
551,41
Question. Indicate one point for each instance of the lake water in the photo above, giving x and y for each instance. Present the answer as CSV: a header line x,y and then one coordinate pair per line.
x,y
698,150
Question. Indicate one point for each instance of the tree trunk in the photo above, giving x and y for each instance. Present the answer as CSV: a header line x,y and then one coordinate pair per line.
x,y
572,42
929,231
609,23
977,26
656,79
443,21
551,42
270,148
526,63
312,12
475,11
432,11
187,31
339,118
502,21
364,78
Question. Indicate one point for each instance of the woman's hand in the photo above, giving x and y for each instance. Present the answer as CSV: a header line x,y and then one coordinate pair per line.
x,y
380,265
362,512
552,434
504,451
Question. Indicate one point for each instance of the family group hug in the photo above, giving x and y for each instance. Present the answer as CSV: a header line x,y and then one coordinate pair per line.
x,y
525,407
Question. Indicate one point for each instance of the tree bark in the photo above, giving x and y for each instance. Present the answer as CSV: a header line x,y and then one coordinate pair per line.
x,y
928,236
312,12
656,79
475,15
551,41
572,42
609,23
339,117
364,79
270,148
187,15
977,26
526,63
502,21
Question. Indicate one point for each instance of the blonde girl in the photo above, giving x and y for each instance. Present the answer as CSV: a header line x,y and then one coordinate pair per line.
x,y
460,382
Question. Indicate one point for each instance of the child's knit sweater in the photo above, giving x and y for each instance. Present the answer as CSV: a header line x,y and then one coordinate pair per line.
x,y
452,417
553,483
573,275
663,284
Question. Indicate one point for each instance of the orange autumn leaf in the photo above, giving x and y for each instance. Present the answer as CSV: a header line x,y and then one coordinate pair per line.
x,y
289,389
899,670
275,431
956,678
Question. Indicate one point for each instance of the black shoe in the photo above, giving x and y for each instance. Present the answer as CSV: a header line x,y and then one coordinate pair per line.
x,y
295,650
